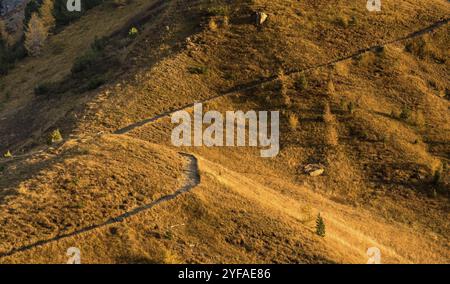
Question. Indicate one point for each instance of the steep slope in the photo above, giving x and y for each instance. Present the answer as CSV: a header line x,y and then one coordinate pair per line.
x,y
370,91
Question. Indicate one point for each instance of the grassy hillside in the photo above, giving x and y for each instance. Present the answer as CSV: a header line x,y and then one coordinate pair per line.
x,y
363,94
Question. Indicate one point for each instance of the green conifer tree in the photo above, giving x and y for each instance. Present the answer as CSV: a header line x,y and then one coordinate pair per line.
x,y
320,226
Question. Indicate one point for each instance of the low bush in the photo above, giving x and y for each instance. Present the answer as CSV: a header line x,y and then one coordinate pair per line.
x,y
301,83
95,82
405,114
86,62
293,121
221,10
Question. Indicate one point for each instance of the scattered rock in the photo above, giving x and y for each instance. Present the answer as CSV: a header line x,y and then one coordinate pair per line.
x,y
314,170
261,17
7,154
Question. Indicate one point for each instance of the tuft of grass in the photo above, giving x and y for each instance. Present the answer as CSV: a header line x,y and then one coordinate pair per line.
x,y
366,59
121,3
327,115
45,89
86,62
301,83
331,90
437,177
8,154
419,47
168,235
354,21
418,119
212,25
99,44
200,70
405,114
342,21
415,118
395,114
95,82
133,32
351,107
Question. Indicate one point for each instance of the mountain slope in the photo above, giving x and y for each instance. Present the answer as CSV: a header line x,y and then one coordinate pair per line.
x,y
370,91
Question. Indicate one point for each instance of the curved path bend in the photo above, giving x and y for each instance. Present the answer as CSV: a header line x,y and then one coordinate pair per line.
x,y
192,180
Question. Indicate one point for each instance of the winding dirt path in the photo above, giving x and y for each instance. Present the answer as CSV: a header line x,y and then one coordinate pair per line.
x,y
259,82
192,180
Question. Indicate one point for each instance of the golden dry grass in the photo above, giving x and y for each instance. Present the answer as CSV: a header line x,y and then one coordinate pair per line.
x,y
377,187
77,187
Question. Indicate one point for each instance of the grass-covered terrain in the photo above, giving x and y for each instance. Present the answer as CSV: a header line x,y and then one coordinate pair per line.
x,y
365,95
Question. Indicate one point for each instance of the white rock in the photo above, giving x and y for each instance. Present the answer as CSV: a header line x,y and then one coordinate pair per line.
x,y
261,17
317,172
314,170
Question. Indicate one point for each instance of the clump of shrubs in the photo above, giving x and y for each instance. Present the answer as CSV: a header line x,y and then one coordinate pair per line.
x,y
405,114
419,47
95,82
7,154
55,137
347,106
293,121
345,21
284,84
301,83
133,32
46,89
99,44
412,117
91,60
95,61
331,90
86,62
212,25
84,72
437,177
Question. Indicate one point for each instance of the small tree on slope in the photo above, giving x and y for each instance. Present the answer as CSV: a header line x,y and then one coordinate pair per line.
x,y
320,226
46,13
